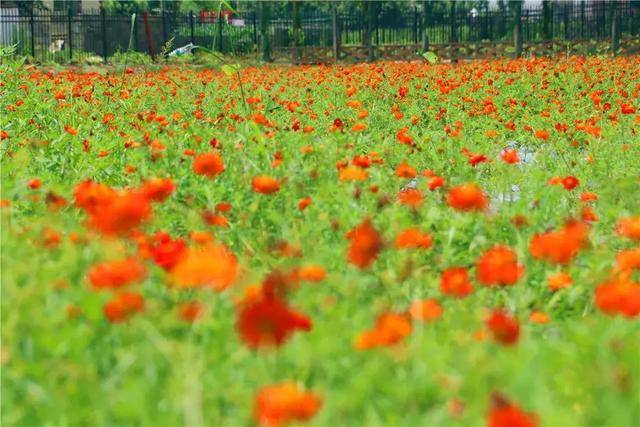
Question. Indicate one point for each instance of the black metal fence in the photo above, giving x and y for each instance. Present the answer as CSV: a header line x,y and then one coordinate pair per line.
x,y
63,36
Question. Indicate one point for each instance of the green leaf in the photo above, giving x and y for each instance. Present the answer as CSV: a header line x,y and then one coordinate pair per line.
x,y
431,57
229,70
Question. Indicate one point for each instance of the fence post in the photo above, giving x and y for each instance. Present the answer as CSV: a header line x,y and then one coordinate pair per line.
x,y
295,18
264,31
33,33
164,31
453,36
70,35
517,28
426,20
615,35
334,27
220,32
368,41
565,20
255,29
415,24
104,34
147,33
546,19
191,27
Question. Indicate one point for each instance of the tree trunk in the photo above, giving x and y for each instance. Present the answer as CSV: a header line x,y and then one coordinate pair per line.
x,y
265,16
427,8
517,28
546,19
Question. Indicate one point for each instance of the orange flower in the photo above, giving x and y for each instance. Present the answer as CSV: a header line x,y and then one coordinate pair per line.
x,y
304,203
504,328
404,170
560,280
506,414
427,310
121,214
116,274
629,227
560,246
216,220
208,164
390,329
212,266
413,238
190,311
619,296
123,306
539,318
365,245
311,273
283,403
499,267
435,182
265,184
588,196
467,197
92,196
455,282
587,214
158,189
542,134
410,197
353,173
358,127
628,259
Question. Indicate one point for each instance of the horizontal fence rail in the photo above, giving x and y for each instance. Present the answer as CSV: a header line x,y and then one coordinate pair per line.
x,y
365,31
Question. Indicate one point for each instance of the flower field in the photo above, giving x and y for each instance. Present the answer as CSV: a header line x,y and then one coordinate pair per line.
x,y
373,244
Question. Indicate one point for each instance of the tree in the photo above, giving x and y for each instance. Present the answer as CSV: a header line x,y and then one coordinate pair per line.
x,y
25,7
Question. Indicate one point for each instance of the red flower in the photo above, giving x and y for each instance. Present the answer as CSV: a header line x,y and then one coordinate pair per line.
x,y
467,197
365,245
123,213
510,156
560,246
506,414
390,329
123,306
269,322
158,189
455,282
499,266
208,164
619,296
265,184
283,403
504,328
570,182
115,274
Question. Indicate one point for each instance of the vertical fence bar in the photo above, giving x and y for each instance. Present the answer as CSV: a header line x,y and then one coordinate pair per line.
x,y
70,35
33,33
334,27
415,25
255,29
615,34
191,27
103,18
220,32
